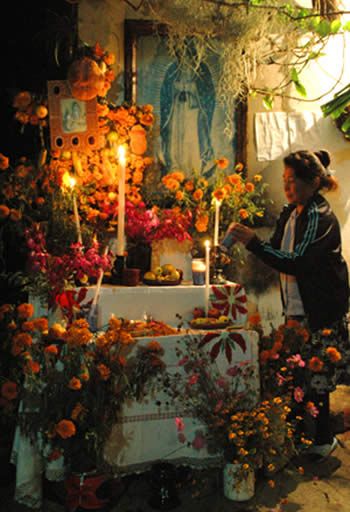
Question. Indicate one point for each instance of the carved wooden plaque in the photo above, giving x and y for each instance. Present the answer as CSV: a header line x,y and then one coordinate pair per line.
x,y
73,123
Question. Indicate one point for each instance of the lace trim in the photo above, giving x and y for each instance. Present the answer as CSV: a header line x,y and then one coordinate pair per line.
x,y
212,462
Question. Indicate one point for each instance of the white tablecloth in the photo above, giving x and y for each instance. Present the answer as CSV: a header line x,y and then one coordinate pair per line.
x,y
146,433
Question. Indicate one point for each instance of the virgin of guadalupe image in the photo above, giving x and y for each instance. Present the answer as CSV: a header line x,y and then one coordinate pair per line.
x,y
187,103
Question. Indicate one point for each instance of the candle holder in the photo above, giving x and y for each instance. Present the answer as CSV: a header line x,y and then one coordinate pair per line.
x,y
217,266
117,270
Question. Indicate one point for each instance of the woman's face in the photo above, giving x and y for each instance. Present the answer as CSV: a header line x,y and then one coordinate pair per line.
x,y
296,190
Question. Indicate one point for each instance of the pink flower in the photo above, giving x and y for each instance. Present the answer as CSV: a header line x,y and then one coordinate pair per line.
x,y
193,379
312,409
180,425
298,394
280,379
199,441
296,360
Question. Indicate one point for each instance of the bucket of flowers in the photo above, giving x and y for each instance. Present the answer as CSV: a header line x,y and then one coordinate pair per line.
x,y
247,433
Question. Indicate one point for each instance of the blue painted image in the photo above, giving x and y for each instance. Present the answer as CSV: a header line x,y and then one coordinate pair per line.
x,y
189,129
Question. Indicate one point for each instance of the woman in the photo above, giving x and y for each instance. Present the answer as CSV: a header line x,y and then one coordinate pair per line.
x,y
306,249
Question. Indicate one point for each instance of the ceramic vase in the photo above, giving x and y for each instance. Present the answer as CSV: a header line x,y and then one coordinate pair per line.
x,y
239,484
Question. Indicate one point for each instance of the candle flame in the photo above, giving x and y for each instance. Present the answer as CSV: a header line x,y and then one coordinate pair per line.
x,y
207,243
121,155
68,180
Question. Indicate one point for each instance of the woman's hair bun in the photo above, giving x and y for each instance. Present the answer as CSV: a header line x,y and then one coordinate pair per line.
x,y
324,157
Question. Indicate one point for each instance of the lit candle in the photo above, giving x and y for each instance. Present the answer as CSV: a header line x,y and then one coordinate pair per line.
x,y
207,275
72,182
216,224
121,201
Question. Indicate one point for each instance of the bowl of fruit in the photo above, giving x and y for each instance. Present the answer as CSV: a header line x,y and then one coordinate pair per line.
x,y
164,275
214,319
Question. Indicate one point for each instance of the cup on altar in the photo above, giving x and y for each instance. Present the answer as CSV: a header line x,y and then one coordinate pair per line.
x,y
198,271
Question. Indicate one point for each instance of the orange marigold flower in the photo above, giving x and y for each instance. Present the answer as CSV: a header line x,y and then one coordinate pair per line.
x,y
33,366
51,349
4,211
9,390
4,309
114,323
155,346
179,195
250,187
222,163
197,194
56,331
78,409
220,193
41,324
23,338
234,179
104,371
15,215
171,184
22,100
327,332
315,364
257,178
239,167
333,354
125,338
201,223
243,213
28,326
65,429
147,119
25,310
74,384
189,186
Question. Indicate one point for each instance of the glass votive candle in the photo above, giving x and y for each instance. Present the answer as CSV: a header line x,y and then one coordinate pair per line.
x,y
198,271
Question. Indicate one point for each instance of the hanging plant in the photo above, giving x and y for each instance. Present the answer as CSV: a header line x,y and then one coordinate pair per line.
x,y
245,37
339,110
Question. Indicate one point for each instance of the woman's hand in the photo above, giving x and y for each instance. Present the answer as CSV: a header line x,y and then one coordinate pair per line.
x,y
242,233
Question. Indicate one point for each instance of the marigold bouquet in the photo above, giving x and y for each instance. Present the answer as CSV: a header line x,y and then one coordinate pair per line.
x,y
75,383
241,199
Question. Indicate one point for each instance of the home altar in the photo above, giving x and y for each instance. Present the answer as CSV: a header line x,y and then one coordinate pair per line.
x,y
146,431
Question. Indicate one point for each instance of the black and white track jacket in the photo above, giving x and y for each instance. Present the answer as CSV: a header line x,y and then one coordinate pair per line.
x,y
316,261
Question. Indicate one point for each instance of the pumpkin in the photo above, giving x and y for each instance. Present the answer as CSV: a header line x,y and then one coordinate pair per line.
x,y
85,78
138,141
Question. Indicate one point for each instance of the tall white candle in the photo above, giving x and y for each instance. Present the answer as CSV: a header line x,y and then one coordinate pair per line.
x,y
99,282
72,182
216,224
121,201
207,275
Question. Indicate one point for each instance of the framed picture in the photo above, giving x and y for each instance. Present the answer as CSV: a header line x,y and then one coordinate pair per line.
x,y
73,123
189,119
